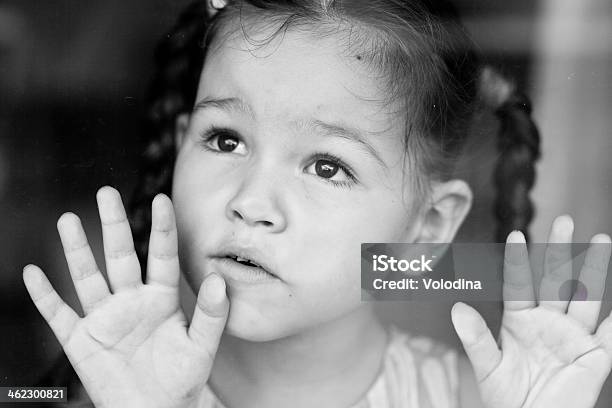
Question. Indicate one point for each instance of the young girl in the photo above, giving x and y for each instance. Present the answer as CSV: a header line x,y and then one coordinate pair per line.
x,y
313,127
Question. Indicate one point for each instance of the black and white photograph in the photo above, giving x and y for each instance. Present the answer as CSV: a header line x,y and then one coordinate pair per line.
x,y
306,203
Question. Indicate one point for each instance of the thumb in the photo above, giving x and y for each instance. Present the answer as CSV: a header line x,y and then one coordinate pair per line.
x,y
210,314
477,340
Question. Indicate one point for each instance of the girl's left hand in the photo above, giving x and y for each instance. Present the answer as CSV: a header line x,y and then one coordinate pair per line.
x,y
552,354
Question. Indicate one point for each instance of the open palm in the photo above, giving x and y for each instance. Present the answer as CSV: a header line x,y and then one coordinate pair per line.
x,y
133,347
550,354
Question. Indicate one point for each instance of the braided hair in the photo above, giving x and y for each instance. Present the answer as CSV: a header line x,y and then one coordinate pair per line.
x,y
519,147
179,58
412,42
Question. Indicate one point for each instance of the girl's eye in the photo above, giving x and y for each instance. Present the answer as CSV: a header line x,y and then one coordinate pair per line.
x,y
222,141
333,170
326,168
227,143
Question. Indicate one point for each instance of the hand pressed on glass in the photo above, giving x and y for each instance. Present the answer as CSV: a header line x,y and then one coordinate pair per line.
x,y
133,347
551,354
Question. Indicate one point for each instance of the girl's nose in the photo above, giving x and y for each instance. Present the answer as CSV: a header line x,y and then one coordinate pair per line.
x,y
255,203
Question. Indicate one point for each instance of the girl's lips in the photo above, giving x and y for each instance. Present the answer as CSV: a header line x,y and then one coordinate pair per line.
x,y
252,254
237,272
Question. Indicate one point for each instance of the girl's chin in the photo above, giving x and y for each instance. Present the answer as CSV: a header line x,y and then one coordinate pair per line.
x,y
253,327
247,322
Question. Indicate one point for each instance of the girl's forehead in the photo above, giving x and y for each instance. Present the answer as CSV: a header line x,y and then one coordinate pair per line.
x,y
294,75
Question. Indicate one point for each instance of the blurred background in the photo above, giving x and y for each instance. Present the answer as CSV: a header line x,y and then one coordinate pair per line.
x,y
72,80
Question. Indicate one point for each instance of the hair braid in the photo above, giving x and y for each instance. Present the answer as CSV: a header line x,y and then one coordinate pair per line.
x,y
519,147
179,58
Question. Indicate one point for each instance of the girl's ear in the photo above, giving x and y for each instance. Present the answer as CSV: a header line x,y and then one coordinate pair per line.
x,y
180,130
450,203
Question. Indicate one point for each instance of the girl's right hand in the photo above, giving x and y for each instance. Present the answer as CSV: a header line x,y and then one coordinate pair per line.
x,y
134,347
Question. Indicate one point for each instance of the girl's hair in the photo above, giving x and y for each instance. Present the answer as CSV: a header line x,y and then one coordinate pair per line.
x,y
423,56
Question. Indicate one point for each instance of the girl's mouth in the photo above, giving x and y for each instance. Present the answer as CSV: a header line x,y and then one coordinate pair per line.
x,y
242,270
244,261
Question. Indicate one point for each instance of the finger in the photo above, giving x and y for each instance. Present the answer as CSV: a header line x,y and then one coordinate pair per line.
x,y
477,340
122,264
163,264
555,290
91,288
60,317
213,6
518,283
210,314
592,281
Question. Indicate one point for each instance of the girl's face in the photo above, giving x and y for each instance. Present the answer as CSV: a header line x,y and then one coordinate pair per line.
x,y
290,160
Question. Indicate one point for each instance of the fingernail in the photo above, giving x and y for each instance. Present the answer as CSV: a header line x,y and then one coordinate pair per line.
x,y
27,270
460,319
466,323
601,239
516,236
157,200
214,289
217,4
564,223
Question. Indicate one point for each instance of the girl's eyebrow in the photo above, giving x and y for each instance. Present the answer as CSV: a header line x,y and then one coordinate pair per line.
x,y
316,125
345,132
228,104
